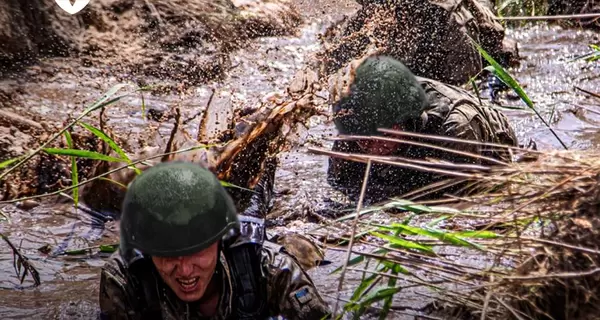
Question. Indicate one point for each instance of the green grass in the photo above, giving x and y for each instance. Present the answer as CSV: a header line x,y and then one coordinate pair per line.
x,y
502,74
106,100
405,239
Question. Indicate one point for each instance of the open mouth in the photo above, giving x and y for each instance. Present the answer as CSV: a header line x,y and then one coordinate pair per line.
x,y
188,284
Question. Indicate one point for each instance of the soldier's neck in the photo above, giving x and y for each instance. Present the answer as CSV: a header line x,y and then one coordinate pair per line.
x,y
209,303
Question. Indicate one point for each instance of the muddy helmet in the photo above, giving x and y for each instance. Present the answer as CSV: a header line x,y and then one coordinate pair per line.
x,y
378,92
175,209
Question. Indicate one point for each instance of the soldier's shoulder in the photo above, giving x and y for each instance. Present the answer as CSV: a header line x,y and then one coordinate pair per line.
x,y
114,270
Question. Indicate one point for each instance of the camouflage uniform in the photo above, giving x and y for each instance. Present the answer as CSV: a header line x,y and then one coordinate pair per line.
x,y
451,111
257,282
177,209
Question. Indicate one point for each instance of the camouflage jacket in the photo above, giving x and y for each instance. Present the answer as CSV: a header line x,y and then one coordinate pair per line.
x,y
452,112
278,287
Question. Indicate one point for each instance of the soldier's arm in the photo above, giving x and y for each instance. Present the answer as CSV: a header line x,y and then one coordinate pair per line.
x,y
463,123
485,125
291,292
114,300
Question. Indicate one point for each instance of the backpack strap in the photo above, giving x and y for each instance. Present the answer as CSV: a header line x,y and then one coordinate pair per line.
x,y
250,288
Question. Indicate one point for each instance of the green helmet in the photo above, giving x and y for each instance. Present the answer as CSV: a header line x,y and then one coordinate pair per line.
x,y
175,209
381,93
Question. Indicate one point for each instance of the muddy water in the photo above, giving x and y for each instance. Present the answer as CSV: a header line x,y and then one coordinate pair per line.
x,y
69,284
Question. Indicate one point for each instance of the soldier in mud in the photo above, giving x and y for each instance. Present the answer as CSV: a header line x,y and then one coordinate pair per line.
x,y
378,91
183,255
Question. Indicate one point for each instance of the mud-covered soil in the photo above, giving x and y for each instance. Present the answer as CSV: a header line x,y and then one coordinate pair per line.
x,y
61,87
185,41
431,38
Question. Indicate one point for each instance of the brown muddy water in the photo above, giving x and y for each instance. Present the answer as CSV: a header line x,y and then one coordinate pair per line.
x,y
69,284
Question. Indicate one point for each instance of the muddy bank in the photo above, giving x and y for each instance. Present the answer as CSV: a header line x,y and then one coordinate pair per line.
x,y
186,41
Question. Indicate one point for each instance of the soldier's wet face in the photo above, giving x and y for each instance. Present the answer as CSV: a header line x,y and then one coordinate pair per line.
x,y
188,276
381,147
378,147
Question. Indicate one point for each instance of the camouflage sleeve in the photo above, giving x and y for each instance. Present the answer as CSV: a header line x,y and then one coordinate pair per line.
x,y
114,302
463,123
291,292
484,125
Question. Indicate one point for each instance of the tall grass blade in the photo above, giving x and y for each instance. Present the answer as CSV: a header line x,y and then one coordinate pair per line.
x,y
387,302
365,284
104,98
409,245
437,234
143,107
113,145
82,154
231,185
483,234
115,182
74,171
8,162
378,295
505,77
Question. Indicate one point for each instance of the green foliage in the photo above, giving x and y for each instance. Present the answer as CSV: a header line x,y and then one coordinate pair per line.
x,y
74,170
503,75
406,240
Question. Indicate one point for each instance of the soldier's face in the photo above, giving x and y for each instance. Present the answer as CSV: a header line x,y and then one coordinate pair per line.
x,y
380,147
188,276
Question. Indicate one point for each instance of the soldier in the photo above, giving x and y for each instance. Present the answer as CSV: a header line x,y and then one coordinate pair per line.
x,y
183,256
378,91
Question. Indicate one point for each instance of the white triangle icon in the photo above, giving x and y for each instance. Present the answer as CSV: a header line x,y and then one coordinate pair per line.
x,y
72,8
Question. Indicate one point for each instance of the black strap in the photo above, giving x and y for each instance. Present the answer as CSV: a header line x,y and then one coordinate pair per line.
x,y
250,290
143,293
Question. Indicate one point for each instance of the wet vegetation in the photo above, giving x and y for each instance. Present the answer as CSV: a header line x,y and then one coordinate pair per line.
x,y
524,248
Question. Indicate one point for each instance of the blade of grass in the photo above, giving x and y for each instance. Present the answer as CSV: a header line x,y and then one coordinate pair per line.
x,y
379,294
231,185
483,234
403,243
113,145
74,171
387,302
100,176
109,248
82,154
115,182
438,234
143,107
8,162
505,77
357,260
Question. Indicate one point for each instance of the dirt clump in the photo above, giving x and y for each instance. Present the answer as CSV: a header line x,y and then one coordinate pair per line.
x,y
29,29
44,172
430,37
